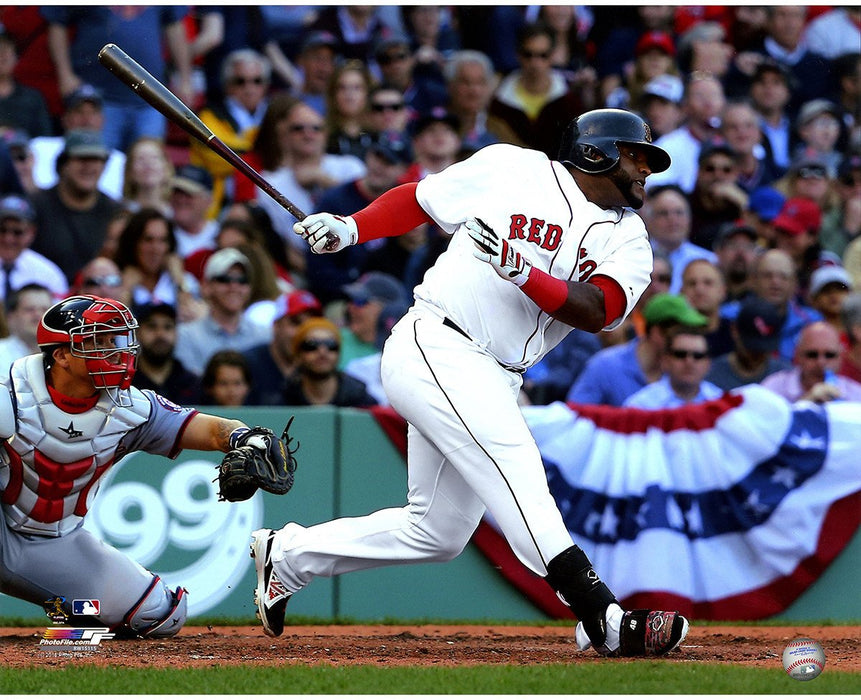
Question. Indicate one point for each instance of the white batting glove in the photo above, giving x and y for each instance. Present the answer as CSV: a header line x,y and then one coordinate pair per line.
x,y
327,233
490,248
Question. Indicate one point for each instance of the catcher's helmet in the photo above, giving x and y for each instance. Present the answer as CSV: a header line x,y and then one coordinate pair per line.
x,y
591,141
102,332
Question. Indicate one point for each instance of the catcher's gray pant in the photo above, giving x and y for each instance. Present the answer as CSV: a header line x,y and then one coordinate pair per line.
x,y
80,566
469,448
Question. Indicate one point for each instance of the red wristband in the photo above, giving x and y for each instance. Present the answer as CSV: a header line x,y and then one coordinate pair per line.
x,y
545,290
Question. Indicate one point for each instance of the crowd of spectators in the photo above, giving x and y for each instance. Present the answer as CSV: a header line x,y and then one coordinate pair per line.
x,y
756,226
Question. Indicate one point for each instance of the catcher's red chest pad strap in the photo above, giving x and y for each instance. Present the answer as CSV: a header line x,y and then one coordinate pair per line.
x,y
391,214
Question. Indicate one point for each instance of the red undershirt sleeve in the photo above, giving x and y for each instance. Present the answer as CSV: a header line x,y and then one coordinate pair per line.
x,y
391,214
614,298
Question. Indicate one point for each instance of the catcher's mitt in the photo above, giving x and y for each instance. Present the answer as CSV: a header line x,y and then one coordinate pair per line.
x,y
258,460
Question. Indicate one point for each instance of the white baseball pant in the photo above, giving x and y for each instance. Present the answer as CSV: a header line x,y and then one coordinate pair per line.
x,y
469,449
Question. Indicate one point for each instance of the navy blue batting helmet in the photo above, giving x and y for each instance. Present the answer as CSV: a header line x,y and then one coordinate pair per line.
x,y
591,141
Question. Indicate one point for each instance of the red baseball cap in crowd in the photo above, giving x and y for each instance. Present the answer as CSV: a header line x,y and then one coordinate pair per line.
x,y
295,303
798,216
655,40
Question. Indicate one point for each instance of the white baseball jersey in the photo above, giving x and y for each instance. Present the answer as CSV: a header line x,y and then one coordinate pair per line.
x,y
536,204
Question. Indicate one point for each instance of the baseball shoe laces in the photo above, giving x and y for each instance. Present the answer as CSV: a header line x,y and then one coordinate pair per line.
x,y
271,595
640,632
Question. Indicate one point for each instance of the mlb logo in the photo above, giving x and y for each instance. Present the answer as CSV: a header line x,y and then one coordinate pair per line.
x,y
85,607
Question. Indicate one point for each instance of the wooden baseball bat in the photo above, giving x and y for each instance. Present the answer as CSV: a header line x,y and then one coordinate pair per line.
x,y
144,84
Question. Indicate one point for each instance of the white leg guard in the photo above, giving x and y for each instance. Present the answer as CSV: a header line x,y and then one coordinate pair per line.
x,y
160,612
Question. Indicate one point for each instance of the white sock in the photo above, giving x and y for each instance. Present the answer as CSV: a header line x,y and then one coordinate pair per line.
x,y
613,615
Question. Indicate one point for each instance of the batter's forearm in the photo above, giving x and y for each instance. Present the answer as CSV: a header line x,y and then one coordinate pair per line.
x,y
585,305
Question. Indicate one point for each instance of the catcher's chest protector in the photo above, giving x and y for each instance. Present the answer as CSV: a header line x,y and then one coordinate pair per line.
x,y
53,462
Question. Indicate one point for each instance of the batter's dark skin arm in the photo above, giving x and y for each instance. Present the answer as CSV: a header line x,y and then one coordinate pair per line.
x,y
584,307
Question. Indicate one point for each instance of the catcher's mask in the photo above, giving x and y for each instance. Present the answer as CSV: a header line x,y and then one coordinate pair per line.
x,y
102,332
591,141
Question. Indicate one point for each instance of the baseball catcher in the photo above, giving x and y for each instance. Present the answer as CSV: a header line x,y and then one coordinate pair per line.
x,y
257,459
68,414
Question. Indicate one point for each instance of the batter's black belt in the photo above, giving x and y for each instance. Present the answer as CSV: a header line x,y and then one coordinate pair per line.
x,y
451,324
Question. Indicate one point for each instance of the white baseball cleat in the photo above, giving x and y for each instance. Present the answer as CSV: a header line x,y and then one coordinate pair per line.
x,y
270,596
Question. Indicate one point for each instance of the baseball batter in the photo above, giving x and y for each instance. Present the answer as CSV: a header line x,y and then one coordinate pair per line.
x,y
66,416
538,247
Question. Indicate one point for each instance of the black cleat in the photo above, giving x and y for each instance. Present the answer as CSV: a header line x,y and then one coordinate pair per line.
x,y
651,632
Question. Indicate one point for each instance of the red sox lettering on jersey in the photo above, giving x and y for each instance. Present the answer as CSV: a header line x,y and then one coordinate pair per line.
x,y
548,236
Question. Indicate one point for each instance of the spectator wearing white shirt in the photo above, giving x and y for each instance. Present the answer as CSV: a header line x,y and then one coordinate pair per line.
x,y
26,308
19,264
835,32
190,200
685,363
83,110
702,105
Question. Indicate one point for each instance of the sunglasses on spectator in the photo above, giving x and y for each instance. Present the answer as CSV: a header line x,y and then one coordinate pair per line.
x,y
818,173
103,281
666,279
311,345
247,81
296,128
388,58
725,169
544,55
684,354
227,279
383,106
816,354
14,230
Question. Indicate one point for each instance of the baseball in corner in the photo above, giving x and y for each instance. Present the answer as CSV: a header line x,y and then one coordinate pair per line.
x,y
803,659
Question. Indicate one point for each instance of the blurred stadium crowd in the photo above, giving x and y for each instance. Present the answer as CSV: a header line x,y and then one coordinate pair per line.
x,y
756,227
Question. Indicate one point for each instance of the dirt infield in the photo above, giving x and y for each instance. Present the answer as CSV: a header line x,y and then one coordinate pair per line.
x,y
427,645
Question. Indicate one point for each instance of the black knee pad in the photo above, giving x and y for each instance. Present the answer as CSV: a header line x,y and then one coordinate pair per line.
x,y
576,583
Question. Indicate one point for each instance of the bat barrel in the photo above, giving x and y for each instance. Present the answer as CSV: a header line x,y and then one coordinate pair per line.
x,y
148,88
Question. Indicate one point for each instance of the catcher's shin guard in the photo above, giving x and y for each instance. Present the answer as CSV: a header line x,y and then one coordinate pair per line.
x,y
160,612
576,583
